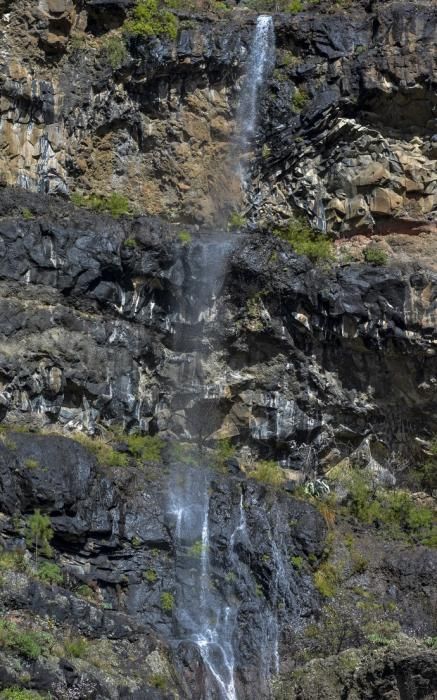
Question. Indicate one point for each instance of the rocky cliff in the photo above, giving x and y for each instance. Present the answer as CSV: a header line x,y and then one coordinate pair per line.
x,y
217,456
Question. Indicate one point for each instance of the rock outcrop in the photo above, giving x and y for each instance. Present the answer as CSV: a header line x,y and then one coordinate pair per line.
x,y
101,317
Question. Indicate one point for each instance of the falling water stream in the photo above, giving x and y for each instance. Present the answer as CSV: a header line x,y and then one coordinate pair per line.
x,y
203,616
260,63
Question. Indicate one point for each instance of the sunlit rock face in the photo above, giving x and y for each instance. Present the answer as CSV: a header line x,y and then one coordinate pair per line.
x,y
346,131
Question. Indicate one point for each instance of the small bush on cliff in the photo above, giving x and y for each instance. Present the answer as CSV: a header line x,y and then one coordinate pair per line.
x,y
167,601
114,51
48,572
236,221
224,450
76,647
145,447
375,255
299,99
27,214
20,694
396,510
39,533
268,472
115,204
151,20
184,237
327,578
26,642
106,455
305,241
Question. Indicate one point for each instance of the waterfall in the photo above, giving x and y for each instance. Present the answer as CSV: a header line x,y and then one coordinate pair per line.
x,y
260,63
204,615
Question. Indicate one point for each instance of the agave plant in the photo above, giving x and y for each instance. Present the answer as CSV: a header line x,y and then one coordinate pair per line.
x,y
317,488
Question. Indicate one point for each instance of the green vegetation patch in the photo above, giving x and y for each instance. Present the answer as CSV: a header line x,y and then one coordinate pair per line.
x,y
115,204
20,694
145,447
327,578
114,51
76,647
27,214
268,472
305,241
299,99
184,237
105,454
26,642
236,221
375,255
39,534
167,601
49,572
150,18
150,575
395,509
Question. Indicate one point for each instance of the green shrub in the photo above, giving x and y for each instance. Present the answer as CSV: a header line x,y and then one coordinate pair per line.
x,y
426,473
25,642
151,20
12,561
305,241
105,454
299,100
85,591
297,562
76,647
326,579
20,694
167,601
295,6
39,533
223,451
26,214
184,237
115,204
236,221
31,463
157,680
268,472
130,243
381,632
266,151
197,549
395,509
48,572
114,51
150,575
375,255
145,447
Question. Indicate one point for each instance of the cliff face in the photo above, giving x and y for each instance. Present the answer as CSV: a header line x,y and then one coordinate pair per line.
x,y
185,564
348,119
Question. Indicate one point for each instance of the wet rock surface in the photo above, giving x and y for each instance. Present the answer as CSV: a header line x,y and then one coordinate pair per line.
x,y
113,530
101,317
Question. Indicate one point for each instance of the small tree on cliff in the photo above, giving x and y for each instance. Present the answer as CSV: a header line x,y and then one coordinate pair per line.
x,y
39,533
